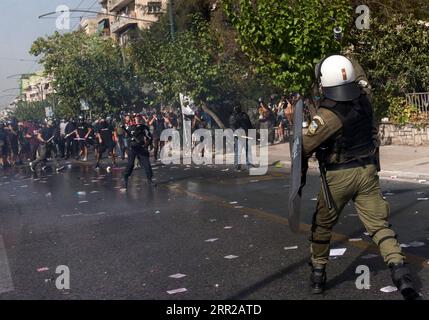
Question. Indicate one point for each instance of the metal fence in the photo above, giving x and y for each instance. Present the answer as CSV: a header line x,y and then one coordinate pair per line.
x,y
420,101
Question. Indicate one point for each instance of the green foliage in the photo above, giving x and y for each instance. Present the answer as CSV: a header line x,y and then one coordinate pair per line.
x,y
384,9
87,67
194,64
395,55
399,111
286,39
26,111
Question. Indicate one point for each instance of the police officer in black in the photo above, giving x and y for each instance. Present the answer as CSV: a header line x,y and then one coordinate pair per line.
x,y
70,135
240,120
46,138
139,141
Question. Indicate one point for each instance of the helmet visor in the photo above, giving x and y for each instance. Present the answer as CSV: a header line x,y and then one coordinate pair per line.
x,y
346,92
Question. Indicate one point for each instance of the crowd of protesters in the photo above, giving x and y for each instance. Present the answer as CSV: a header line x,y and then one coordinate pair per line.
x,y
271,116
32,142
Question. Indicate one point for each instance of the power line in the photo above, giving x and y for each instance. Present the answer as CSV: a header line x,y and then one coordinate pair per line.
x,y
81,2
44,16
81,16
16,59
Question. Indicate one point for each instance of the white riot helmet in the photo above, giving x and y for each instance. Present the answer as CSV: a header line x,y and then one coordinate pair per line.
x,y
336,75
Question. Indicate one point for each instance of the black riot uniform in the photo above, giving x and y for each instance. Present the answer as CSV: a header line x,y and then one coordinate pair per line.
x,y
47,147
139,140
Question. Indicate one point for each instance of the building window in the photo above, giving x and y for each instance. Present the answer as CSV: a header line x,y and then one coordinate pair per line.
x,y
154,7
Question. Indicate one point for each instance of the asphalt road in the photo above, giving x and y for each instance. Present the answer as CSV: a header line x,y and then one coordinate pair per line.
x,y
126,245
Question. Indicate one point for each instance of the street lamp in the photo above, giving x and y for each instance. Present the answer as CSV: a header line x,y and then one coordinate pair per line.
x,y
93,12
21,75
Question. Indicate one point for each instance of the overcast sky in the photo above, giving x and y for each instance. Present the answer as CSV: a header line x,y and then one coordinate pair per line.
x,y
19,27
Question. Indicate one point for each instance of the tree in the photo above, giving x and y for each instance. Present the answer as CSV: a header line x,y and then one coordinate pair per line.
x,y
87,67
384,9
30,111
286,39
193,64
395,55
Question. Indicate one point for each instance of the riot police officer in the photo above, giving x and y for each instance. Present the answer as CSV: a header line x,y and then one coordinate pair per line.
x,y
47,147
341,134
139,141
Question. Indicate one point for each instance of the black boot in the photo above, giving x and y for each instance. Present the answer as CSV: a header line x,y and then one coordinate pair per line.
x,y
402,279
317,279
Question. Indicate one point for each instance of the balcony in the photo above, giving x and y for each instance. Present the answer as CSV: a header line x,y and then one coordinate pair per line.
x,y
102,15
116,5
123,22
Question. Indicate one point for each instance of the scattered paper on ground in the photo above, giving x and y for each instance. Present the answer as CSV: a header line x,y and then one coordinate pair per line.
x,y
231,256
177,276
228,227
72,215
96,214
422,199
337,252
212,240
177,291
416,244
43,269
389,289
233,202
291,248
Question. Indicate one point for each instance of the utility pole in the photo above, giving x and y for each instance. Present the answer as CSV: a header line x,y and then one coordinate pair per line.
x,y
170,9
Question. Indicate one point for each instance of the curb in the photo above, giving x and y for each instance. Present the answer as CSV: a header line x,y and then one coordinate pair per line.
x,y
416,177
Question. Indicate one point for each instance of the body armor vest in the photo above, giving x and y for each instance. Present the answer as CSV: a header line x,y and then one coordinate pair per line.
x,y
355,140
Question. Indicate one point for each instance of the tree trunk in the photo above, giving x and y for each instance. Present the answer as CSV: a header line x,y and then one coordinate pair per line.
x,y
213,115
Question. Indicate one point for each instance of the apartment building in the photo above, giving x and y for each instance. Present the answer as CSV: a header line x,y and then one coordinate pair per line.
x,y
89,25
36,87
124,16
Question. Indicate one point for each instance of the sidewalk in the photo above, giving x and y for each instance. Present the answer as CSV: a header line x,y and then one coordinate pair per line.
x,y
397,162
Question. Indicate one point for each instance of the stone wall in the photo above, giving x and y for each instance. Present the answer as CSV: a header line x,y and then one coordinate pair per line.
x,y
391,134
